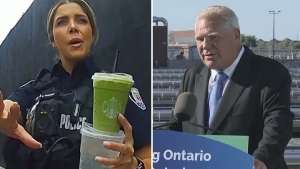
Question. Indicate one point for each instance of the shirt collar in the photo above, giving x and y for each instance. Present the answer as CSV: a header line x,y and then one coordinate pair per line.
x,y
228,71
87,64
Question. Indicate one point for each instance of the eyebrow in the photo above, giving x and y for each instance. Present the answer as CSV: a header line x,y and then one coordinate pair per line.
x,y
210,34
66,17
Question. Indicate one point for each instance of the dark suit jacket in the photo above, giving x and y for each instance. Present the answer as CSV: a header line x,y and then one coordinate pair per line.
x,y
256,103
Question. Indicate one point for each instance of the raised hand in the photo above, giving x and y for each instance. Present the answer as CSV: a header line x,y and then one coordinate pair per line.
x,y
9,114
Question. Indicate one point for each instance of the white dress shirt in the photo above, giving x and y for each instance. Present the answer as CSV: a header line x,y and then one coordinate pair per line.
x,y
228,71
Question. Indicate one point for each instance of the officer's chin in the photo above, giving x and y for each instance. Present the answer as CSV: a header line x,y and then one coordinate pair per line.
x,y
78,55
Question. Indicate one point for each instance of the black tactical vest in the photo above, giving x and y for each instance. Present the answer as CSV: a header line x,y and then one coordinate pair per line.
x,y
55,120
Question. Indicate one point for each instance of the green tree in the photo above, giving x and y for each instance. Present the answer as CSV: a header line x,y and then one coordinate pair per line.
x,y
249,40
296,45
171,37
288,43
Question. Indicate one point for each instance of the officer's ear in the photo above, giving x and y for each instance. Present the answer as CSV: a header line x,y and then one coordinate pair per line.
x,y
53,44
93,40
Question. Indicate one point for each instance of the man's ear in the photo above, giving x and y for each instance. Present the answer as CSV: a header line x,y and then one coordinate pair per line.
x,y
237,34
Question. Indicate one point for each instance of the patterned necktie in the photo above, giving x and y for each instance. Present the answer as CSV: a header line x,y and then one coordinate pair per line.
x,y
216,93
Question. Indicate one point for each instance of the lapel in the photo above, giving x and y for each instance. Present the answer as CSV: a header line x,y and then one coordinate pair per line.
x,y
234,89
201,92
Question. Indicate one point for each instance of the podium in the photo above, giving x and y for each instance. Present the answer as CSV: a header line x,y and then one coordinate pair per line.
x,y
177,150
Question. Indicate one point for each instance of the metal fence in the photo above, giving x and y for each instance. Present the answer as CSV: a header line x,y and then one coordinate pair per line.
x,y
279,52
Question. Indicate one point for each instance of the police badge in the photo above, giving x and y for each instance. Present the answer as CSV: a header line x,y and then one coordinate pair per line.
x,y
136,98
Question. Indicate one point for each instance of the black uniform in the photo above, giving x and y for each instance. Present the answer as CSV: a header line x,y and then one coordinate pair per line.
x,y
56,91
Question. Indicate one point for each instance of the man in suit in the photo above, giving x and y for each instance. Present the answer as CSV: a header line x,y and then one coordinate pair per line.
x,y
255,90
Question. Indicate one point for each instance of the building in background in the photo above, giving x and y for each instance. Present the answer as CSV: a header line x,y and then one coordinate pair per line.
x,y
180,41
184,41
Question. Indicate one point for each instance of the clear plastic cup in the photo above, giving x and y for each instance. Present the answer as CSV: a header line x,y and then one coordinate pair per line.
x,y
92,146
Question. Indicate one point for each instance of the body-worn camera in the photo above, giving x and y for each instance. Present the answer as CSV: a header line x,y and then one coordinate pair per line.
x,y
45,125
42,119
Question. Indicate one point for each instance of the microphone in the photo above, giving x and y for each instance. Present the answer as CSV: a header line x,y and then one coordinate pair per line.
x,y
184,110
185,106
186,103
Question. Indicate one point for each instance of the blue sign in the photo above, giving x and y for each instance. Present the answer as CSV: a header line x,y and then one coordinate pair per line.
x,y
176,150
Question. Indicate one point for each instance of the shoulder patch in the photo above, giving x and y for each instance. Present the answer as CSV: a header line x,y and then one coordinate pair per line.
x,y
136,98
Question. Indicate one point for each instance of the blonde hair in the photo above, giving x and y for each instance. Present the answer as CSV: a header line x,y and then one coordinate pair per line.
x,y
226,15
85,7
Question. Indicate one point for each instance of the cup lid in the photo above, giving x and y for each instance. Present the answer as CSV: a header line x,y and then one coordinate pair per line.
x,y
121,77
89,131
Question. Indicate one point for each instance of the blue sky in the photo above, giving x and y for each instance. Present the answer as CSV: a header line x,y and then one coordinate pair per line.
x,y
254,17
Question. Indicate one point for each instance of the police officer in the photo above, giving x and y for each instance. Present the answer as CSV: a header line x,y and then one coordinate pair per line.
x,y
71,28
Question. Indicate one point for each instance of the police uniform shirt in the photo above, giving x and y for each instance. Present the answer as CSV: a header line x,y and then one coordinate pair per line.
x,y
136,112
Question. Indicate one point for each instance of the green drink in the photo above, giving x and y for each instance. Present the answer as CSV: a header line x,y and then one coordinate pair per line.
x,y
111,92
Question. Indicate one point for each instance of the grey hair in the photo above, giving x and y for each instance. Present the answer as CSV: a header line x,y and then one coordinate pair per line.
x,y
228,17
